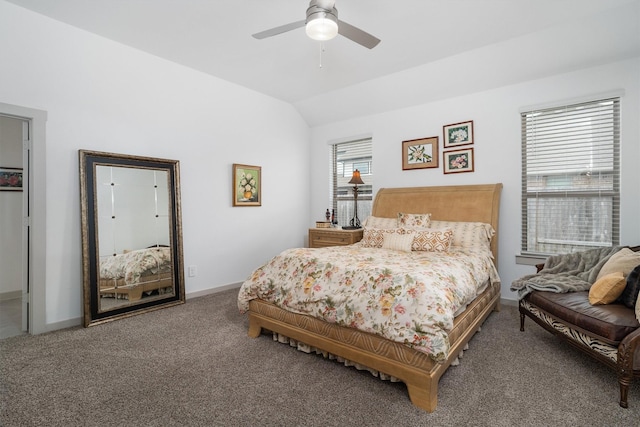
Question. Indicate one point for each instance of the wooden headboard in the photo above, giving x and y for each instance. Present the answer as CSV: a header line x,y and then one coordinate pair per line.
x,y
469,203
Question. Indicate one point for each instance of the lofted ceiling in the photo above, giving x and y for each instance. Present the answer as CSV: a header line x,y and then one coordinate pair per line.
x,y
454,45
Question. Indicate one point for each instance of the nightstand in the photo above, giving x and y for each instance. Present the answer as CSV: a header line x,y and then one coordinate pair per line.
x,y
323,237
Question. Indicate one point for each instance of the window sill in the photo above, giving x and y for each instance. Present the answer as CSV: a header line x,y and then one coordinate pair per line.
x,y
530,259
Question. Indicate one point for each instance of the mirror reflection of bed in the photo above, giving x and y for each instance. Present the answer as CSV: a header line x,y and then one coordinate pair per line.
x,y
133,223
133,275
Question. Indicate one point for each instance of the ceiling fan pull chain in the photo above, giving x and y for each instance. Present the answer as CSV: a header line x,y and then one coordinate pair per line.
x,y
321,50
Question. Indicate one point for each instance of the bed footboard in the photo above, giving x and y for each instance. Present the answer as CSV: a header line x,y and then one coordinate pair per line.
x,y
417,370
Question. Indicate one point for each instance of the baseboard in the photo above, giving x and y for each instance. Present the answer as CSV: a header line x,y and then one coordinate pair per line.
x,y
6,296
509,302
70,323
64,324
215,290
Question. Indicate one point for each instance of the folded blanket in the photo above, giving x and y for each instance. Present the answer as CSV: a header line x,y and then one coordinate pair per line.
x,y
566,273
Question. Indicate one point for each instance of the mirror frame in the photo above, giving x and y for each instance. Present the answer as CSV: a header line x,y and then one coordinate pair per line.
x,y
90,257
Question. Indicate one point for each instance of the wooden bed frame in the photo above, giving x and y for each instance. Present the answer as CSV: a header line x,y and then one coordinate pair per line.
x,y
470,203
134,292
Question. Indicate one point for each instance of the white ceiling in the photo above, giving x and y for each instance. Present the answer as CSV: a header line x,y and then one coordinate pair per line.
x,y
419,37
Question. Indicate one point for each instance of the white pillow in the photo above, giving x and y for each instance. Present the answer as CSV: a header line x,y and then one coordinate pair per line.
x,y
624,260
380,222
468,234
397,242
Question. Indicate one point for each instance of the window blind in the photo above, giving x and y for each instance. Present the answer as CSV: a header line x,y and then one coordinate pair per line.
x,y
345,157
571,177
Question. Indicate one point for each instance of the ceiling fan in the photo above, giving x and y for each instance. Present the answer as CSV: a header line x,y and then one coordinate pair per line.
x,y
322,23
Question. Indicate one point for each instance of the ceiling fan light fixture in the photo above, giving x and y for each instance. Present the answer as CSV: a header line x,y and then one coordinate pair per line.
x,y
322,26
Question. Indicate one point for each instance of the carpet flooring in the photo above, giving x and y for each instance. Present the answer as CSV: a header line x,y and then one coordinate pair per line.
x,y
193,365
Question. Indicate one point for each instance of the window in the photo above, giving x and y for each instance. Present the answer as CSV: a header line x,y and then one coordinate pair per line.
x,y
345,158
571,177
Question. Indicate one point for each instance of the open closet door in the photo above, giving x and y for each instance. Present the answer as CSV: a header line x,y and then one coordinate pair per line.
x,y
26,224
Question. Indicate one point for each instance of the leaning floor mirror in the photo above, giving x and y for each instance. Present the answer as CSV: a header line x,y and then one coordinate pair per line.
x,y
131,235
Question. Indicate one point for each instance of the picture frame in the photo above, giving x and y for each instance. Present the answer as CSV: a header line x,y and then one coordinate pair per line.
x,y
457,134
10,179
247,185
456,161
420,153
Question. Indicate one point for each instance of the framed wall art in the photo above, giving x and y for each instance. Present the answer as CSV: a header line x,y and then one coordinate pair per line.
x,y
458,160
420,153
458,134
10,179
247,185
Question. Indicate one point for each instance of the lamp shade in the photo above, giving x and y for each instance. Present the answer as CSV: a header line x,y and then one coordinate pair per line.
x,y
355,179
322,27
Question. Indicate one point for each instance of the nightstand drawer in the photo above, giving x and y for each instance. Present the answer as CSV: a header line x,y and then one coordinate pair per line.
x,y
320,238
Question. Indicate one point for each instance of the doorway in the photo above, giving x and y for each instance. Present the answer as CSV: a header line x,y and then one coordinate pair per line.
x,y
23,207
14,283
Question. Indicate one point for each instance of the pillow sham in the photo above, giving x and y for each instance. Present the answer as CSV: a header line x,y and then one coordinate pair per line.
x,y
414,220
380,222
426,240
432,240
624,260
468,234
397,242
606,289
374,237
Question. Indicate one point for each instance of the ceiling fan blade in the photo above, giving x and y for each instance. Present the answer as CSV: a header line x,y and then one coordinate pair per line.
x,y
279,30
357,35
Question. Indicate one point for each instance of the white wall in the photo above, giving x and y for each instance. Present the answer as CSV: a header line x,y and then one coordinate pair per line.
x,y
100,95
497,146
10,210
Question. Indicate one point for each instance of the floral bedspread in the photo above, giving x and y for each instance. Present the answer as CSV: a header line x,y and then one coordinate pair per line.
x,y
407,297
134,264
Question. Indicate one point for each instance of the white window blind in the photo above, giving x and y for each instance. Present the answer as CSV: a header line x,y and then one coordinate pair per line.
x,y
345,157
571,177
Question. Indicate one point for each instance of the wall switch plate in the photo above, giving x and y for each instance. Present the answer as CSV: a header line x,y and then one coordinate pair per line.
x,y
193,271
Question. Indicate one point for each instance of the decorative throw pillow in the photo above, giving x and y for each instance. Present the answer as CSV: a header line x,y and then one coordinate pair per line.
x,y
397,242
380,222
374,237
414,220
630,294
432,240
606,289
468,234
624,260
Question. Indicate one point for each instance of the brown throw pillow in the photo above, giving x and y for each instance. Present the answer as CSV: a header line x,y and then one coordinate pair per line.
x,y
606,289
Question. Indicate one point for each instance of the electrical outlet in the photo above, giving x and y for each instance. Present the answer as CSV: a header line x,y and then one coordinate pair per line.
x,y
193,271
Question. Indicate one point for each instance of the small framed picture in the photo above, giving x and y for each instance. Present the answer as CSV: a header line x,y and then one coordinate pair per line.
x,y
247,185
420,153
458,134
458,160
10,179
